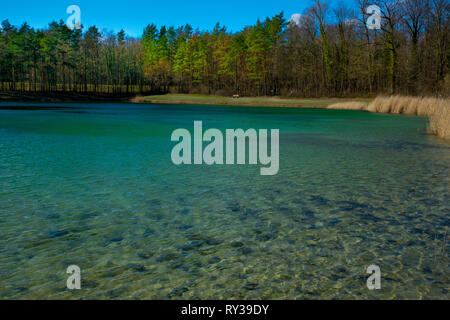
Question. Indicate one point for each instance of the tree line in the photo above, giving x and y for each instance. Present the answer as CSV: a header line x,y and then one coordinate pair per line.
x,y
328,51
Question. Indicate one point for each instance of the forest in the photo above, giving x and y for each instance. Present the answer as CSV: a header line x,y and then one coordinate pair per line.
x,y
328,51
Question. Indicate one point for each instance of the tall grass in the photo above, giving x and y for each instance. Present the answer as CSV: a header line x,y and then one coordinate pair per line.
x,y
424,106
354,105
440,122
138,99
437,109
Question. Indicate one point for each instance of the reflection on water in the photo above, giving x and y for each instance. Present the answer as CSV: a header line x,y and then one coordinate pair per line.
x,y
95,187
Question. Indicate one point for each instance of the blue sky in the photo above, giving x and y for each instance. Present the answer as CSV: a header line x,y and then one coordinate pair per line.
x,y
134,15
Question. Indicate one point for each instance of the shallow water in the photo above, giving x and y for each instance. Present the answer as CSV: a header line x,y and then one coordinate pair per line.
x,y
93,185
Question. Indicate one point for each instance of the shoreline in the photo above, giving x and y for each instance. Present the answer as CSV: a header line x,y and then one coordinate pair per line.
x,y
62,97
264,101
436,109
192,99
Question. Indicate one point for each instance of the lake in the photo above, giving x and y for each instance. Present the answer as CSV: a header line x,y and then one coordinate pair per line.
x,y
93,185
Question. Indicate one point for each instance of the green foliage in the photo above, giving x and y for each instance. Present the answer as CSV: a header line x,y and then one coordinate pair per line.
x,y
271,57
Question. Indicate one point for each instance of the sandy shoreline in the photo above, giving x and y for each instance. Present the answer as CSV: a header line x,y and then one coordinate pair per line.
x,y
274,102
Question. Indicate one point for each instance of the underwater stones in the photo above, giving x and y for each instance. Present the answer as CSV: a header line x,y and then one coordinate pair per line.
x,y
184,211
115,239
283,209
299,289
265,237
157,216
430,202
340,270
308,213
380,209
241,276
422,231
394,222
185,227
427,270
148,232
370,217
319,201
114,293
251,212
237,244
53,216
178,292
137,267
195,236
351,205
222,265
332,223
244,250
88,215
21,289
212,242
207,251
90,284
57,233
204,238
298,201
258,230
275,226
411,216
114,271
154,203
193,245
168,257
334,277
234,207
178,264
144,255
213,278
214,260
36,243
251,286
312,226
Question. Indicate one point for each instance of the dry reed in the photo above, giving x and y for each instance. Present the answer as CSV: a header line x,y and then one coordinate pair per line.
x,y
440,122
349,106
138,99
437,109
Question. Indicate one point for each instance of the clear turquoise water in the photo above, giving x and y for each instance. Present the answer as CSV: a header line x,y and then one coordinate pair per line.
x,y
93,185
